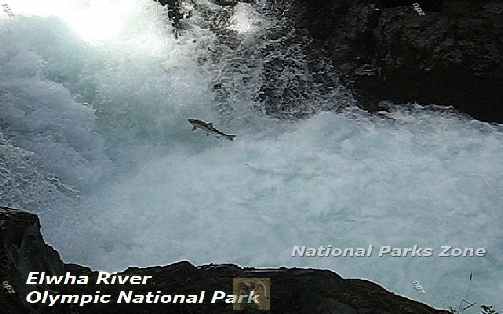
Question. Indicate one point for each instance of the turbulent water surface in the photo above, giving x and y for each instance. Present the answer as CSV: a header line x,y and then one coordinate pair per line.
x,y
94,138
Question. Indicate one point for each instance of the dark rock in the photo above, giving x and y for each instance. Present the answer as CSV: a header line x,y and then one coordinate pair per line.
x,y
22,249
452,55
292,290
175,13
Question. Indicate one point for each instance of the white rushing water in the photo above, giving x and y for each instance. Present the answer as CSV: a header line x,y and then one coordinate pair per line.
x,y
97,102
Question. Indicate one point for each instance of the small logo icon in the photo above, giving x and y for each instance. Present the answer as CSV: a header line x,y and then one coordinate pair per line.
x,y
417,286
418,9
259,288
8,287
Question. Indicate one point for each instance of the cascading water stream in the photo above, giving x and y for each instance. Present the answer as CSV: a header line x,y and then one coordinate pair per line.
x,y
94,137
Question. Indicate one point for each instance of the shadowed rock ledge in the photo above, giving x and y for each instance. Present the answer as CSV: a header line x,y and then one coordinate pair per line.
x,y
450,54
22,249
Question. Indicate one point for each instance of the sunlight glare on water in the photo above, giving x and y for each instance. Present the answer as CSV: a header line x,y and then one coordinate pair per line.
x,y
93,20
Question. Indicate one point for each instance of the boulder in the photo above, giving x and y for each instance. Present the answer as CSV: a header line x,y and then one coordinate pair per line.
x,y
293,291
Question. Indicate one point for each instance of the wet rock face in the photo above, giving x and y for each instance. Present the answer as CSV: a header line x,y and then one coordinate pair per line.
x,y
450,54
443,52
22,249
450,57
293,291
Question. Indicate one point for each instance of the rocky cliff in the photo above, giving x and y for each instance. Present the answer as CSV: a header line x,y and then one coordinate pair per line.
x,y
444,52
22,249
